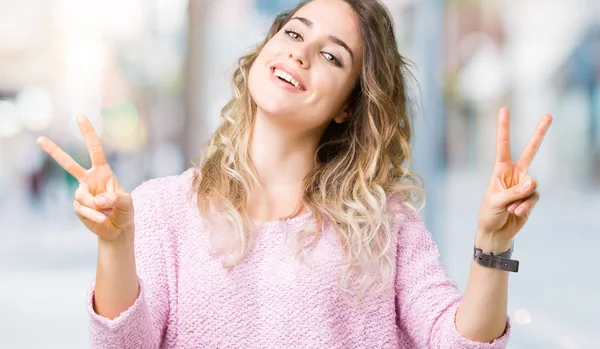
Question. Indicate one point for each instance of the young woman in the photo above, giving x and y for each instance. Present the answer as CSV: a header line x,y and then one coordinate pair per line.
x,y
299,228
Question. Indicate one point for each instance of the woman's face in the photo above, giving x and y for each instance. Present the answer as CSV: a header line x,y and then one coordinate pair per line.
x,y
304,75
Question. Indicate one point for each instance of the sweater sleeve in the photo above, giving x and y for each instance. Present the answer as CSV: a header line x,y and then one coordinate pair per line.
x,y
143,324
426,298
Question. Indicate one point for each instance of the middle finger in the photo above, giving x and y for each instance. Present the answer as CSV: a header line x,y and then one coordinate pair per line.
x,y
91,141
535,141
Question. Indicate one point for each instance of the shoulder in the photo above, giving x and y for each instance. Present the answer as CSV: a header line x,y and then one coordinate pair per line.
x,y
163,193
163,188
404,213
413,239
407,221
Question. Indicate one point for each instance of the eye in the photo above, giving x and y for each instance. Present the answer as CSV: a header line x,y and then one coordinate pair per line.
x,y
292,34
331,58
328,56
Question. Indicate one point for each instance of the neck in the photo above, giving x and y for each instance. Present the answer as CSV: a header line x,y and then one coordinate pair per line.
x,y
281,156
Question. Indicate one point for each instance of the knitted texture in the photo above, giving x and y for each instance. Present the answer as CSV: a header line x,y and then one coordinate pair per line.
x,y
272,300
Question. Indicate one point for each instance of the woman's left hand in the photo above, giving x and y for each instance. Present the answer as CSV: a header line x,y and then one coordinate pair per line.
x,y
511,194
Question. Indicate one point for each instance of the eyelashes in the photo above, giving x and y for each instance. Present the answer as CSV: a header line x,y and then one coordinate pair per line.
x,y
292,34
330,57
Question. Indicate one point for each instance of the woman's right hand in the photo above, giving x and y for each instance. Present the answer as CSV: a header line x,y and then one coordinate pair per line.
x,y
100,202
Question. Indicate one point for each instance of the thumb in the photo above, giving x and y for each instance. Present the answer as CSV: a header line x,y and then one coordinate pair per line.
x,y
122,205
120,202
517,192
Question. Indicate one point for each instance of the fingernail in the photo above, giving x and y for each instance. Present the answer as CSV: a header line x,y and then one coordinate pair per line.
x,y
101,201
512,207
100,219
527,184
519,211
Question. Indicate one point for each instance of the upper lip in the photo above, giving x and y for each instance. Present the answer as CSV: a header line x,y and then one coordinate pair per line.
x,y
291,72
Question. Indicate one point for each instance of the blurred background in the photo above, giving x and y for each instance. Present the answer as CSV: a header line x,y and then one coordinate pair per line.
x,y
152,76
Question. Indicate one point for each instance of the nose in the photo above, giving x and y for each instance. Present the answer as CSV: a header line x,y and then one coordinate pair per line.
x,y
299,56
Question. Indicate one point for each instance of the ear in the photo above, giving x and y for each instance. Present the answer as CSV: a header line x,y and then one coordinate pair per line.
x,y
342,116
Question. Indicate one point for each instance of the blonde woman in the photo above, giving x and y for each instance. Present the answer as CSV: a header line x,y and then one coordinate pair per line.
x,y
300,227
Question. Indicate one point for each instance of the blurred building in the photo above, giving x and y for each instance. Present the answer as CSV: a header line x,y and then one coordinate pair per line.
x,y
578,82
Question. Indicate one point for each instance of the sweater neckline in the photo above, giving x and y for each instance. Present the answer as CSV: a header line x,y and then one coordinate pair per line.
x,y
290,222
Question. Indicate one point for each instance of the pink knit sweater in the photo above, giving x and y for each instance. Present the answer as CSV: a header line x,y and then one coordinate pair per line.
x,y
271,300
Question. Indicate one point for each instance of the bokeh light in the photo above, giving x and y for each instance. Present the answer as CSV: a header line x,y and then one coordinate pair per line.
x,y
522,317
35,108
121,121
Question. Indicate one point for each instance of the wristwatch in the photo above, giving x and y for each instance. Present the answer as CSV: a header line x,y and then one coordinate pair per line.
x,y
497,261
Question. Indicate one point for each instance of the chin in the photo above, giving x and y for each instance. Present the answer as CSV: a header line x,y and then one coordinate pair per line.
x,y
276,112
269,103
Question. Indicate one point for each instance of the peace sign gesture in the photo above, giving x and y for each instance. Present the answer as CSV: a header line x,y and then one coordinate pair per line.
x,y
511,194
100,202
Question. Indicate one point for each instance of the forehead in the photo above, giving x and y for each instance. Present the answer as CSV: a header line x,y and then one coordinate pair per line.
x,y
334,17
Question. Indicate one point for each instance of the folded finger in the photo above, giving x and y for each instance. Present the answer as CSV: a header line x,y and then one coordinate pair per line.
x,y
89,213
84,197
511,208
116,200
517,192
527,206
109,212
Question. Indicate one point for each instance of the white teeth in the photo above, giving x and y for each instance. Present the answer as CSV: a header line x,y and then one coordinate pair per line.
x,y
281,74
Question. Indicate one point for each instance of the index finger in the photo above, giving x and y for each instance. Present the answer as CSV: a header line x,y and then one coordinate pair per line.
x,y
535,141
91,141
62,158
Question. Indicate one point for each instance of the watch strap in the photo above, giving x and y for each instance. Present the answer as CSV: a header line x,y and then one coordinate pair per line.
x,y
498,261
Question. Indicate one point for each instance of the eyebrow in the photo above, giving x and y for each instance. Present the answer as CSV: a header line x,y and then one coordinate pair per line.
x,y
333,38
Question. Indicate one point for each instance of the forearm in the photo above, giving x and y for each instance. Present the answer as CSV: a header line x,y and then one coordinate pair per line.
x,y
116,286
481,315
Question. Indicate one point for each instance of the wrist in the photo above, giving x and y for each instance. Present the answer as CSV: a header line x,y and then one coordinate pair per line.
x,y
489,243
124,239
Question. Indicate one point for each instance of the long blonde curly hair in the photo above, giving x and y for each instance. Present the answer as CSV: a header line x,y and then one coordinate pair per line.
x,y
359,164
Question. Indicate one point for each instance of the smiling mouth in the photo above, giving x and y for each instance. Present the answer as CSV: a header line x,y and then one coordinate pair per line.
x,y
285,77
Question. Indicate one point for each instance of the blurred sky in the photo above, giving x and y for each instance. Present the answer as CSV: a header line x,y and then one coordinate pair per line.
x,y
153,75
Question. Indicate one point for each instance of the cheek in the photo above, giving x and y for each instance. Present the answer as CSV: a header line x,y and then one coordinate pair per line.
x,y
331,89
256,77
